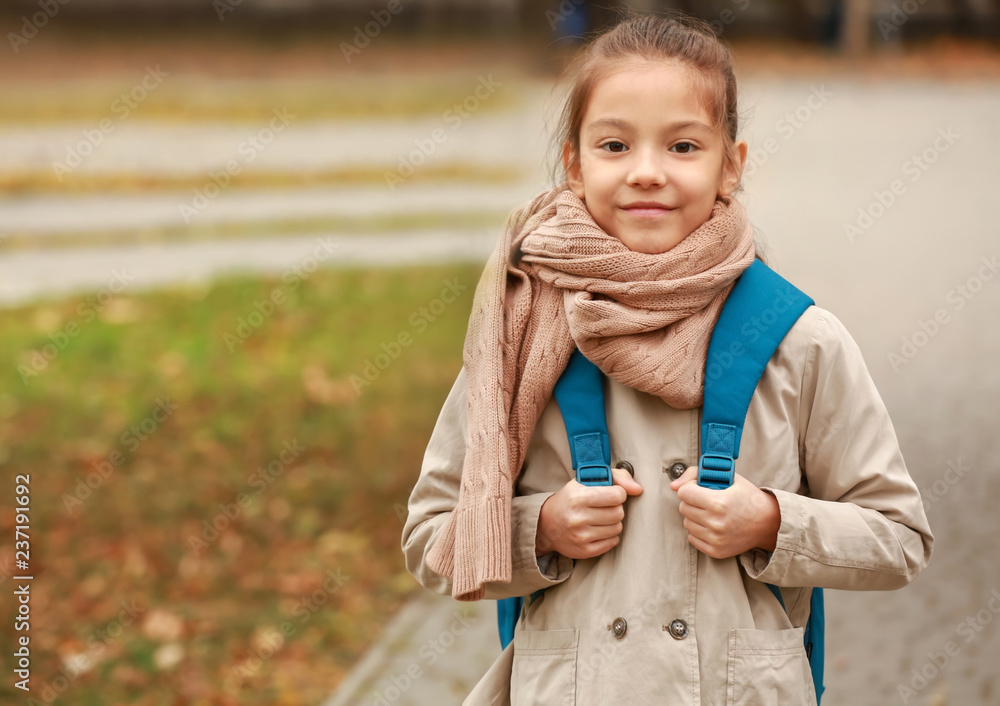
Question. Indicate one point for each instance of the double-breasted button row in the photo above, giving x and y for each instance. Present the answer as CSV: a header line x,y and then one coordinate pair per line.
x,y
674,470
677,628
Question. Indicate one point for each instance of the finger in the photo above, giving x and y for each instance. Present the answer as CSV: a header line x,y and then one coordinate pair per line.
x,y
690,474
703,547
696,530
598,533
624,479
602,516
601,547
605,496
705,498
696,514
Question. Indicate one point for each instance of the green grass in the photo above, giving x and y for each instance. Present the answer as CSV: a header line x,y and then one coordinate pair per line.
x,y
242,230
331,508
18,183
183,98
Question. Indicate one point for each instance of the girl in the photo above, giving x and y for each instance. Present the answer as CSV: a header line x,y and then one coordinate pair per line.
x,y
655,588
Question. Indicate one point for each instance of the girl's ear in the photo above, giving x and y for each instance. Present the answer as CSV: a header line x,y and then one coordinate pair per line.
x,y
571,165
734,170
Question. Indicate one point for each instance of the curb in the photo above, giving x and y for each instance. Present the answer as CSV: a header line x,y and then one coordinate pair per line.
x,y
433,651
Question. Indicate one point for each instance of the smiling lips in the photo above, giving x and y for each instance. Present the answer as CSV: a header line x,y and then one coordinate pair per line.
x,y
647,209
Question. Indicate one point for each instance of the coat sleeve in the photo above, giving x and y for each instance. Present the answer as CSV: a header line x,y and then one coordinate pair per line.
x,y
860,524
435,496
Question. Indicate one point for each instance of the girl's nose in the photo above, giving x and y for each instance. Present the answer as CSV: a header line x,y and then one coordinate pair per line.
x,y
647,169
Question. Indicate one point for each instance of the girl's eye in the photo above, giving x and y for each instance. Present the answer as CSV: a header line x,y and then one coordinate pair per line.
x,y
684,147
614,146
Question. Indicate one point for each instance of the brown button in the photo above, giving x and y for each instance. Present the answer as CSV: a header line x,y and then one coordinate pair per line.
x,y
627,466
619,628
678,629
676,470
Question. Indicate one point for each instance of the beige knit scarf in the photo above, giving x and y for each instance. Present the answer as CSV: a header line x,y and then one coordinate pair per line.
x,y
555,282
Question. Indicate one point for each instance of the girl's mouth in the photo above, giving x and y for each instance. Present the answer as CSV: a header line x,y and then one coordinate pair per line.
x,y
648,211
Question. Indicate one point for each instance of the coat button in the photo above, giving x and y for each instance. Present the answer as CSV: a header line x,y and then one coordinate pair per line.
x,y
627,466
619,628
676,470
678,629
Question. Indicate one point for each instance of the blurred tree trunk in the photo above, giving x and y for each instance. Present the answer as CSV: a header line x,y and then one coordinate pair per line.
x,y
856,32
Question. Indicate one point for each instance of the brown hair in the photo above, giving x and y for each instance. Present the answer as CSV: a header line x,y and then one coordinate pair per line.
x,y
651,37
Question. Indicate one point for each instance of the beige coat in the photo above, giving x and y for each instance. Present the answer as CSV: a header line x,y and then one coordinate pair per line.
x,y
654,621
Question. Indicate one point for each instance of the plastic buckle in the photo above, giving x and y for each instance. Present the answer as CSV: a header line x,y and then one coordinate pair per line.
x,y
594,474
716,471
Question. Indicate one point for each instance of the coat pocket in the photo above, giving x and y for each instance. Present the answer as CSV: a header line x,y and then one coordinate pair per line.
x,y
544,669
768,667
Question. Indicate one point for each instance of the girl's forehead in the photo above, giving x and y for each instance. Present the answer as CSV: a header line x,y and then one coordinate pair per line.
x,y
637,85
641,75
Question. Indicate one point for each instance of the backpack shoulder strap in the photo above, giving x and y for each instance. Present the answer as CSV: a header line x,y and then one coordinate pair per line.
x,y
579,392
759,311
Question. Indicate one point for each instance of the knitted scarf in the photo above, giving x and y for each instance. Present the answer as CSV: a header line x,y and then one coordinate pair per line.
x,y
555,282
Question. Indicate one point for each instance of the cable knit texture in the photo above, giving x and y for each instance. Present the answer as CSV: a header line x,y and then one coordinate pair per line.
x,y
555,282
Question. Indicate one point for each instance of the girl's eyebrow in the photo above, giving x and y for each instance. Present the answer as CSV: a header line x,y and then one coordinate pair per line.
x,y
621,124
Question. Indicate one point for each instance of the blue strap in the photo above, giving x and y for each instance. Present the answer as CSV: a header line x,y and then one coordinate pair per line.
x,y
759,311
815,640
580,395
508,612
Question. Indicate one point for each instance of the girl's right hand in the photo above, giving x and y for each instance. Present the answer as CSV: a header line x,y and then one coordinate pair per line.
x,y
580,521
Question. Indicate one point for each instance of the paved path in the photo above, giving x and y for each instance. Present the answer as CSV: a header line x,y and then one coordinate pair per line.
x,y
48,215
40,273
479,137
431,652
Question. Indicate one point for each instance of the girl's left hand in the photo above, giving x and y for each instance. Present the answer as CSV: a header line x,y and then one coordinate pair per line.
x,y
725,523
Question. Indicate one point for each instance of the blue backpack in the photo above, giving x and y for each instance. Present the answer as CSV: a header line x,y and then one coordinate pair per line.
x,y
759,311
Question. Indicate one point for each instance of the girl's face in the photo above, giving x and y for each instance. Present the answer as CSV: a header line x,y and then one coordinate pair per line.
x,y
650,165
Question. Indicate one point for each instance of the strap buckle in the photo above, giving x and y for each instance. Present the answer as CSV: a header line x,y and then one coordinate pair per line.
x,y
716,471
594,474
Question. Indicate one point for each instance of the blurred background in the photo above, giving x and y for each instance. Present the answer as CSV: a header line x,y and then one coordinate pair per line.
x,y
238,245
